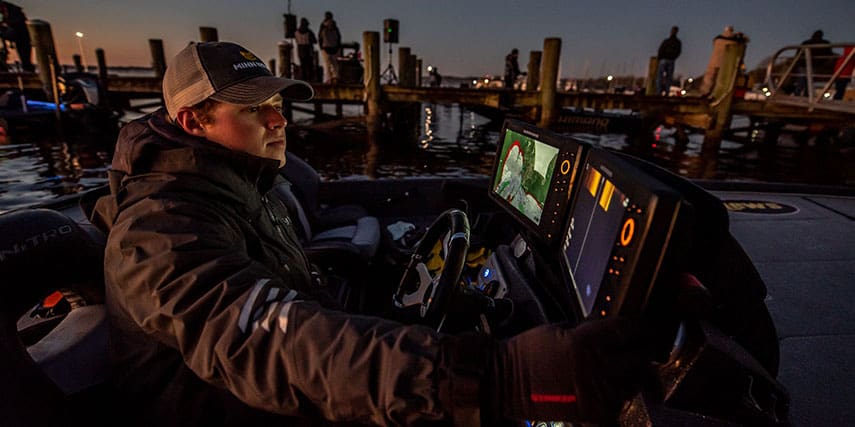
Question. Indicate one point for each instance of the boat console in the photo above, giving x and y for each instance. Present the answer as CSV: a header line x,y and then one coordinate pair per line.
x,y
604,234
566,232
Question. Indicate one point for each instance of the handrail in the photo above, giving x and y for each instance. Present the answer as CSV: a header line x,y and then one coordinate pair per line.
x,y
801,71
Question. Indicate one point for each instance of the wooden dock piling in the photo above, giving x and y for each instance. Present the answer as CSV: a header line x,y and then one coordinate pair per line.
x,y
405,75
548,81
722,98
78,62
158,59
208,34
102,67
533,78
652,75
285,53
41,36
371,79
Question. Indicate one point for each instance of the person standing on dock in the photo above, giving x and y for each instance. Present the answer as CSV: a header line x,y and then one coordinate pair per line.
x,y
13,27
822,58
512,68
435,77
669,51
306,50
217,318
330,39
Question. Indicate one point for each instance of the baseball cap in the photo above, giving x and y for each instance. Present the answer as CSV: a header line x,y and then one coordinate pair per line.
x,y
225,72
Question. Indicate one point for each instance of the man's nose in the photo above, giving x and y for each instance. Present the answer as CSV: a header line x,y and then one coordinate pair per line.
x,y
275,119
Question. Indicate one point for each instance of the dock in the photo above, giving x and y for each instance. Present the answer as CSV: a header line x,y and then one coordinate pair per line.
x,y
545,105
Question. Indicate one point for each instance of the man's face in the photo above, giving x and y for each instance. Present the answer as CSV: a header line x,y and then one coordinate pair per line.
x,y
256,129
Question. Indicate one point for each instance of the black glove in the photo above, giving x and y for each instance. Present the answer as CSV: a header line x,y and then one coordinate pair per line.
x,y
560,373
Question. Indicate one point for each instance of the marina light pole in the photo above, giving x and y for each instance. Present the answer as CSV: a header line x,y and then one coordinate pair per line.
x,y
80,45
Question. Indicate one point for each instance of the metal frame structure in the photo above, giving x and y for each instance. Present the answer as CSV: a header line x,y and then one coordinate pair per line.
x,y
804,55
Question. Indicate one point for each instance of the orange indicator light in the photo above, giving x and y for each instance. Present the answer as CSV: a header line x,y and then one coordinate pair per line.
x,y
627,232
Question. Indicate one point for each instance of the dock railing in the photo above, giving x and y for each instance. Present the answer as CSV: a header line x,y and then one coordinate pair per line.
x,y
808,75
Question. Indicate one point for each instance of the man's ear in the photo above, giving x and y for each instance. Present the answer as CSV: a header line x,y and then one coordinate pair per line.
x,y
186,118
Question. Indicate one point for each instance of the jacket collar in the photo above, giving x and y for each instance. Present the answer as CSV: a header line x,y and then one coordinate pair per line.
x,y
197,154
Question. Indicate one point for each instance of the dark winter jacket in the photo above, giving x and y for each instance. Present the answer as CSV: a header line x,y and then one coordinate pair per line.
x,y
670,48
211,305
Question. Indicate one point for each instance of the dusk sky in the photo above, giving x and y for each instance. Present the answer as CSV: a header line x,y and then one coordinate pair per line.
x,y
461,38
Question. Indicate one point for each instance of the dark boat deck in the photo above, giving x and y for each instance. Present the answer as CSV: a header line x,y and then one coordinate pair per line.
x,y
807,259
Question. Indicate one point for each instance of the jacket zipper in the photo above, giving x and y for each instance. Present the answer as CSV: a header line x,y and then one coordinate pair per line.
x,y
278,225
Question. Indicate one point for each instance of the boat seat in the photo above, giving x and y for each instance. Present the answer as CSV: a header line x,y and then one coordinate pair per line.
x,y
351,245
323,228
42,251
306,187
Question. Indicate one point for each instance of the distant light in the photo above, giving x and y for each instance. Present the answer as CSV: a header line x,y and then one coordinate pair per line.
x,y
610,77
768,93
765,89
79,34
827,95
683,92
690,80
486,81
474,82
430,68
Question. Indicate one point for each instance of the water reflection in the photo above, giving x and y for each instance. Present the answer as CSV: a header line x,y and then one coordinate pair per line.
x,y
35,169
444,141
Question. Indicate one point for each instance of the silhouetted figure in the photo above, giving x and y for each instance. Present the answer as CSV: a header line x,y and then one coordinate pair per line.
x,y
13,27
330,41
819,58
435,77
306,41
512,68
669,51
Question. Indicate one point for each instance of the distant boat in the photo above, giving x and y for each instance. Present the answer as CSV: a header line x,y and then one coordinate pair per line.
x,y
82,103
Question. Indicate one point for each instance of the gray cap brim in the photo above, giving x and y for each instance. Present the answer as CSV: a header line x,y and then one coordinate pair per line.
x,y
259,89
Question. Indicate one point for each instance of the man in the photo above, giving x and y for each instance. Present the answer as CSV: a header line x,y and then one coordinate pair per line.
x,y
306,50
669,51
512,68
215,317
13,27
822,62
330,42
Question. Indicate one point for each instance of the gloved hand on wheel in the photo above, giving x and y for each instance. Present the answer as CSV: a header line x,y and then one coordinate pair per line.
x,y
560,373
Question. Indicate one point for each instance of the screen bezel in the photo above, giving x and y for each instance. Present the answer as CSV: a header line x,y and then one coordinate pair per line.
x,y
549,231
661,205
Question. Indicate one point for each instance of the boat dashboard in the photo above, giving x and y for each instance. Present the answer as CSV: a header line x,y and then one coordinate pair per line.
x,y
600,234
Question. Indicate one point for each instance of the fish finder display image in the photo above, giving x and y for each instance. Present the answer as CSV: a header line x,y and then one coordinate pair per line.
x,y
593,229
524,173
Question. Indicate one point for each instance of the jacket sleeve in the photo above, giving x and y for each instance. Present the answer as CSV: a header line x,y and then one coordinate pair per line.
x,y
185,277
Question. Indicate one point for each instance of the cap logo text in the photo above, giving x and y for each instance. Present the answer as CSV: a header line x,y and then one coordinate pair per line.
x,y
248,65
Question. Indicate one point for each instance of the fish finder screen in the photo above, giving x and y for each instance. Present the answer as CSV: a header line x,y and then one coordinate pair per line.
x,y
524,173
592,234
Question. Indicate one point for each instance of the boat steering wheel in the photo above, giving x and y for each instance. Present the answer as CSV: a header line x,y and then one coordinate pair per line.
x,y
431,278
